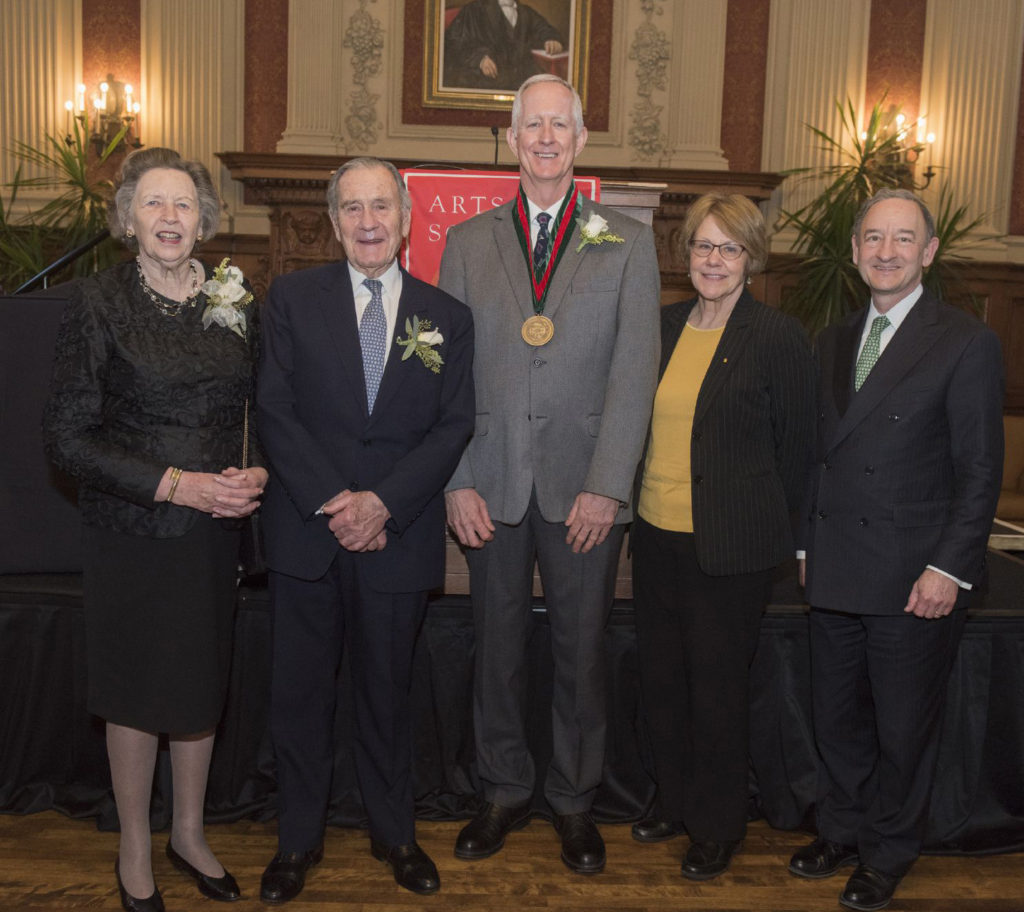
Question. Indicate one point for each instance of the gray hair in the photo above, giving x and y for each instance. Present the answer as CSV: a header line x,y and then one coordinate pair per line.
x,y
138,163
367,161
896,193
577,104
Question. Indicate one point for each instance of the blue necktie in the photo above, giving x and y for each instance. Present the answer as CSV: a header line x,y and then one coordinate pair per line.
x,y
540,249
373,329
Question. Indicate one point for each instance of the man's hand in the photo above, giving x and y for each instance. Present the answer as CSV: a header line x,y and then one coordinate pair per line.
x,y
590,520
933,595
488,67
552,47
357,520
468,517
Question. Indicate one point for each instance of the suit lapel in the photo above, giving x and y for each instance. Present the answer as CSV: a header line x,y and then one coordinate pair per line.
x,y
338,308
847,341
511,254
394,368
561,281
917,334
730,348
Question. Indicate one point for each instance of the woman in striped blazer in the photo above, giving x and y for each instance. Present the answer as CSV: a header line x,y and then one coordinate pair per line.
x,y
726,457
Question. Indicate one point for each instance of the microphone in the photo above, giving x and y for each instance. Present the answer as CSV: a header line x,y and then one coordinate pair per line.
x,y
494,133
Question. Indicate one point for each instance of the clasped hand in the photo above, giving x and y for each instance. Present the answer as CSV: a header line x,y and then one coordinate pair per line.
x,y
232,493
357,520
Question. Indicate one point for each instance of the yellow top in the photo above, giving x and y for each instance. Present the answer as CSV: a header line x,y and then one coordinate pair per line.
x,y
665,495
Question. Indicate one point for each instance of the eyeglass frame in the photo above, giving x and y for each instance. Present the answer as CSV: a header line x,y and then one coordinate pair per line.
x,y
690,245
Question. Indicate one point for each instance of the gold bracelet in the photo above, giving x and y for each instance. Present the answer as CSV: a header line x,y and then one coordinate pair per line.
x,y
175,478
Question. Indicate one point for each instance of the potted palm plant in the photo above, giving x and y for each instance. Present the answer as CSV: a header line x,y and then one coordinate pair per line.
x,y
829,285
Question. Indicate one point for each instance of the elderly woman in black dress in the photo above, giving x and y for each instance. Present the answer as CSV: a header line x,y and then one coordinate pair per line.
x,y
148,411
728,449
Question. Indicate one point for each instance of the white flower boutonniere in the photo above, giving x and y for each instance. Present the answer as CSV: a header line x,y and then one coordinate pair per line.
x,y
420,341
595,231
227,298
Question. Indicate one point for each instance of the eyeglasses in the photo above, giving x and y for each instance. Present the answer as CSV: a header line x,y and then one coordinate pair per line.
x,y
729,250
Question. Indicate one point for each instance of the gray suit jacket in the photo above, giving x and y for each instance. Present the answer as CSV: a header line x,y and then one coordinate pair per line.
x,y
571,415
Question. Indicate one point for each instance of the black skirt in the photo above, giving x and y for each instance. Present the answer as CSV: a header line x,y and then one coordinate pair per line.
x,y
159,620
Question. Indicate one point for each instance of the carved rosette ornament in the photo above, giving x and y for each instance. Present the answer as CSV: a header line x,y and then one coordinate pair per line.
x,y
651,51
365,38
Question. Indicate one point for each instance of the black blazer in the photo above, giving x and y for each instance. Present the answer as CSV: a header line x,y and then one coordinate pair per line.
x,y
908,469
319,439
135,391
752,436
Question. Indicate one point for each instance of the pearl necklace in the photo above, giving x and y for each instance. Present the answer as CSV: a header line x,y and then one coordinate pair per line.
x,y
173,308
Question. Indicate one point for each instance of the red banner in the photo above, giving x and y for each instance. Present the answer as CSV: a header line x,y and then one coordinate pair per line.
x,y
441,199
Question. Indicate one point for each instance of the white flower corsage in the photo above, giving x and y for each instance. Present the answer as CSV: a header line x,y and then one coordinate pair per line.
x,y
595,231
421,341
227,298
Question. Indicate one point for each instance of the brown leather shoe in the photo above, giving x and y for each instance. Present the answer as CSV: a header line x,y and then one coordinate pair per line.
x,y
285,876
485,834
822,858
411,866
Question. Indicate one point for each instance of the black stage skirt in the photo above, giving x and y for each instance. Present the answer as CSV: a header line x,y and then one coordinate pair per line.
x,y
159,620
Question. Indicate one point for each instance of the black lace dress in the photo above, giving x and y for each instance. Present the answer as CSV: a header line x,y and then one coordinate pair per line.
x,y
134,391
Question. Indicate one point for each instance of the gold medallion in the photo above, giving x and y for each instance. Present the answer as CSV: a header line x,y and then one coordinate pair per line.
x,y
538,330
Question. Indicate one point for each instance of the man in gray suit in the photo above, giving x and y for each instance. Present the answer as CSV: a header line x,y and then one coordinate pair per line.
x,y
564,295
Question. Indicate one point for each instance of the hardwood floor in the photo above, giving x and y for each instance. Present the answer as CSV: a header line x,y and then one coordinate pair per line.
x,y
50,862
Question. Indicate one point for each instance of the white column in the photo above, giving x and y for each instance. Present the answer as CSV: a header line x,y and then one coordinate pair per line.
x,y
193,89
315,101
817,55
40,66
694,102
969,94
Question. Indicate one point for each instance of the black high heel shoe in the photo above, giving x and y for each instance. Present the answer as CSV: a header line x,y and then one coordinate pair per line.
x,y
129,903
223,889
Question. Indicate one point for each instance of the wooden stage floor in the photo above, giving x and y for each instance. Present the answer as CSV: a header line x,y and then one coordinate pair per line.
x,y
51,862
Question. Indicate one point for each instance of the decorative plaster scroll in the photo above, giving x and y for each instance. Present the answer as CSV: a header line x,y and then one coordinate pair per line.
x,y
651,50
365,38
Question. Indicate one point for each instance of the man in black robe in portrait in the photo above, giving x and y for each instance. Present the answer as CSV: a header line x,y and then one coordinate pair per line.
x,y
489,45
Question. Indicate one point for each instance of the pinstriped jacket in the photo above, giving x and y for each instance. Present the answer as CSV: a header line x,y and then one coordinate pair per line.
x,y
753,431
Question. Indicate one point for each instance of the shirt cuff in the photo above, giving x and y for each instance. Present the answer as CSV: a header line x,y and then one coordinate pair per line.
x,y
960,583
801,555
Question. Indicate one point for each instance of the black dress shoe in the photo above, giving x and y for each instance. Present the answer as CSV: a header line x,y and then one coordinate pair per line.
x,y
868,889
821,858
412,867
485,834
652,830
223,889
129,903
285,876
582,845
705,860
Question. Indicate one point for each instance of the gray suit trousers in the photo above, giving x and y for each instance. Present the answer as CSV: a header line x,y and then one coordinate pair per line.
x,y
578,594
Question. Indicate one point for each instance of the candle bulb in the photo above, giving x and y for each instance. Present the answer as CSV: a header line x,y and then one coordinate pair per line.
x,y
81,97
69,106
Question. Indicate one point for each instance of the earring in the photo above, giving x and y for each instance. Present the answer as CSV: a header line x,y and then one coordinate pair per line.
x,y
130,233
750,280
199,237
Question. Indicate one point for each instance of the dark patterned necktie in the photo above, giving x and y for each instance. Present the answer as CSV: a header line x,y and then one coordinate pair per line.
x,y
373,328
869,354
540,249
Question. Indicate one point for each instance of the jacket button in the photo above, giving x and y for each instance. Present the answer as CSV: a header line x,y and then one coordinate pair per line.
x,y
821,515
894,417
869,470
537,362
827,466
862,521
697,435
366,442
697,479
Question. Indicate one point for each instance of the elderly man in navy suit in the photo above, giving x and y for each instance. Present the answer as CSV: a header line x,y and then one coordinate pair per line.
x,y
909,462
365,403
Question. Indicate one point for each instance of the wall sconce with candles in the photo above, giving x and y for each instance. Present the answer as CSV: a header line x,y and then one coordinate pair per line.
x,y
114,108
901,155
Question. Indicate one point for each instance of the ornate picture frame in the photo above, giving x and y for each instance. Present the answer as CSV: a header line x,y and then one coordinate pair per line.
x,y
453,75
